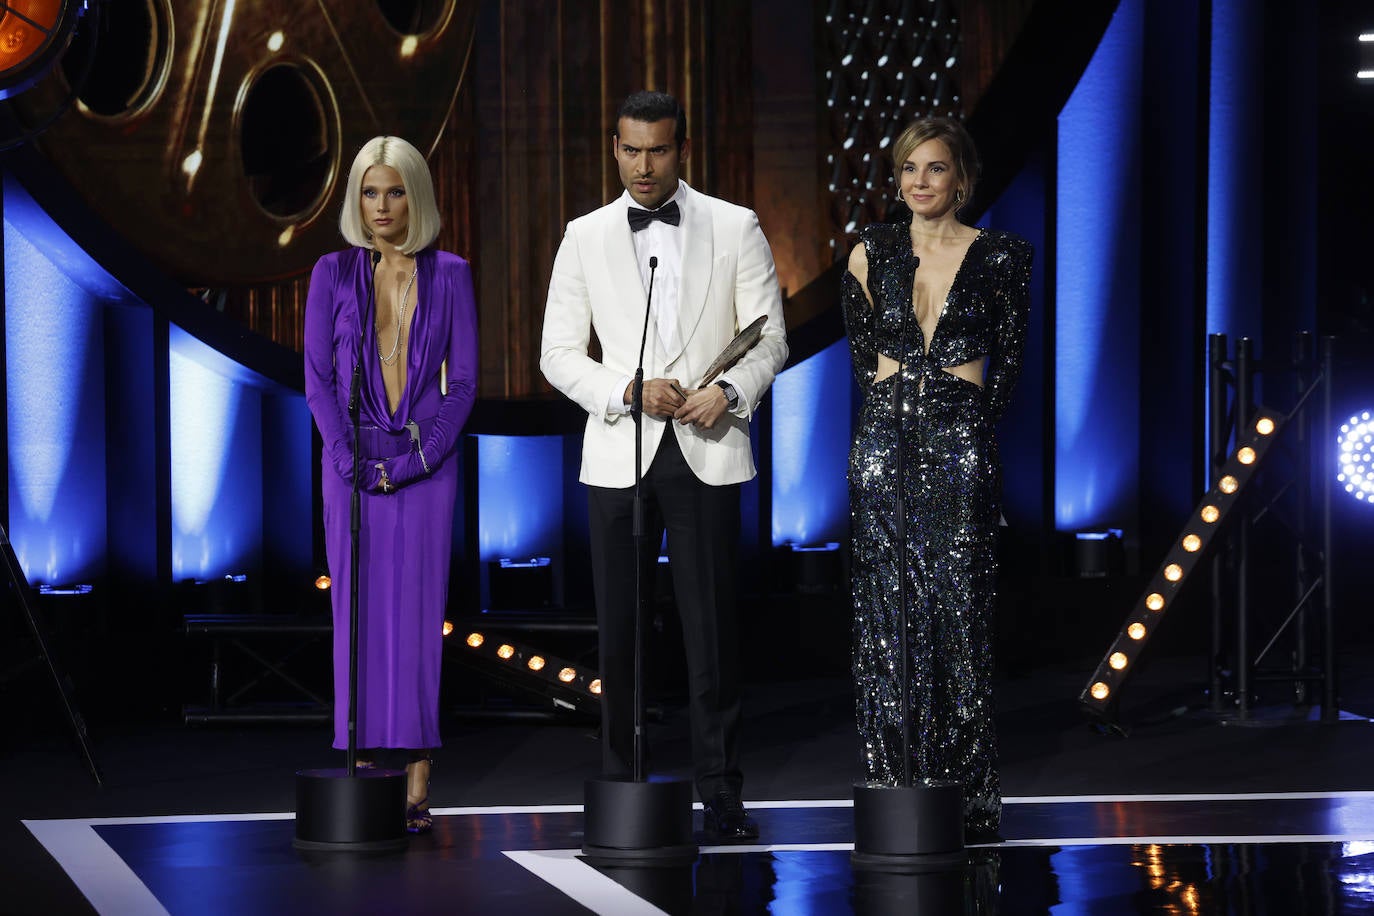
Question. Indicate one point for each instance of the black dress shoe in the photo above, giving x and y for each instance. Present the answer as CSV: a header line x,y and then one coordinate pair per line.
x,y
725,818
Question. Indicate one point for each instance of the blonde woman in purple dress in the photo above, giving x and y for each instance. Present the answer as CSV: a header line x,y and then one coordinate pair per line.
x,y
417,341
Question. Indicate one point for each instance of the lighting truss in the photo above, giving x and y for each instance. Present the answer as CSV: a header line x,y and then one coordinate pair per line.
x,y
1215,508
568,686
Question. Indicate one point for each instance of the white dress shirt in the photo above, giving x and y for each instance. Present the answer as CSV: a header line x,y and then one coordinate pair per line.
x,y
663,241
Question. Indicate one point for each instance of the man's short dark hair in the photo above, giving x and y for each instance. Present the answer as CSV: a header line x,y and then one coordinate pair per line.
x,y
651,107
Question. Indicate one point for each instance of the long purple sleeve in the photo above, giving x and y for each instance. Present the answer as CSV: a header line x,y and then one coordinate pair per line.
x,y
328,336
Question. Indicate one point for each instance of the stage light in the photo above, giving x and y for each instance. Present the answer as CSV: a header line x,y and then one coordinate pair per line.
x,y
520,584
323,583
448,627
1182,558
1100,691
566,685
66,590
1355,457
33,36
1118,660
815,569
1099,553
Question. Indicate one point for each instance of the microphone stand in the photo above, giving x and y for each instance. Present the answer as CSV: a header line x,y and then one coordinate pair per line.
x,y
344,810
355,516
638,533
635,822
910,828
903,593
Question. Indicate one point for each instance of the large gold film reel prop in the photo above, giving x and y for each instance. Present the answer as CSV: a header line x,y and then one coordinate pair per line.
x,y
214,134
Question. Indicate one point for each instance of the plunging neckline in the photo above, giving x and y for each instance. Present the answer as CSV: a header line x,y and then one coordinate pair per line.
x,y
954,282
408,347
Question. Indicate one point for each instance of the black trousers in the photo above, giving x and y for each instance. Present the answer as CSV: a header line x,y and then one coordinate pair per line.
x,y
702,522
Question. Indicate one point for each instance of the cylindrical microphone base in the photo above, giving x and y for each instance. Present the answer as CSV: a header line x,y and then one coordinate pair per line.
x,y
642,823
915,828
364,812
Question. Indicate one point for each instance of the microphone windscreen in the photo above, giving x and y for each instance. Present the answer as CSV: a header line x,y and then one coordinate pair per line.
x,y
653,263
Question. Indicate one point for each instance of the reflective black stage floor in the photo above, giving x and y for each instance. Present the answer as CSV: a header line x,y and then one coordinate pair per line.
x,y
1293,854
1192,813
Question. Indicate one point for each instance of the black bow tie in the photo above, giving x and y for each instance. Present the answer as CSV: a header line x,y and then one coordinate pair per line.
x,y
641,218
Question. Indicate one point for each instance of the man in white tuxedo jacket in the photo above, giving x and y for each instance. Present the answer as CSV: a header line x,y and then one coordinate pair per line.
x,y
712,275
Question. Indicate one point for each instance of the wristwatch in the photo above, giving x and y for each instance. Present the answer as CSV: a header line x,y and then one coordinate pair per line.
x,y
731,395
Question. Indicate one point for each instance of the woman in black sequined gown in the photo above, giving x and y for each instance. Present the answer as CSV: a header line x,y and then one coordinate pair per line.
x,y
948,303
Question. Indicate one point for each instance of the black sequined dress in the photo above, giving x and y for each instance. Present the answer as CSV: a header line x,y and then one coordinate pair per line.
x,y
953,487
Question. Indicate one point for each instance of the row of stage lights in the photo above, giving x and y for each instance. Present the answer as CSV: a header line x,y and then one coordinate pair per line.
x,y
1163,588
567,685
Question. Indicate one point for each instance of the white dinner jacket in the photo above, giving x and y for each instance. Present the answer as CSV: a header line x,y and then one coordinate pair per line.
x,y
727,281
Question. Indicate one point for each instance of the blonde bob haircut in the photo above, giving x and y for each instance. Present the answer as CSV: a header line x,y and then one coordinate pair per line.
x,y
954,135
423,213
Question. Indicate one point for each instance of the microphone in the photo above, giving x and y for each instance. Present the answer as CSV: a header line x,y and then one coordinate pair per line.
x,y
357,383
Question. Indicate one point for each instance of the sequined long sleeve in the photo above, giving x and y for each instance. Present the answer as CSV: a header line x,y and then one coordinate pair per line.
x,y
858,324
1011,298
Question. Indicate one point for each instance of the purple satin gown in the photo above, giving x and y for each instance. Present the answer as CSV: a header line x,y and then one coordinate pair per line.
x,y
406,535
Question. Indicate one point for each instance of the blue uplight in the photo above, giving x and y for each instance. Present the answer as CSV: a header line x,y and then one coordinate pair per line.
x,y
519,496
1097,268
217,462
55,400
1234,198
811,436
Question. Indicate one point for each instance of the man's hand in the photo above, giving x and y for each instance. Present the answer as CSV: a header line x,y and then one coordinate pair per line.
x,y
703,408
662,396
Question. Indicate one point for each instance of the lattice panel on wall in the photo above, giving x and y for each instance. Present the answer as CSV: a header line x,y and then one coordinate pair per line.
x,y
886,63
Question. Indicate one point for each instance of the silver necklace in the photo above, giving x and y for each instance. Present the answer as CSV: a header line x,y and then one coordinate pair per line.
x,y
390,358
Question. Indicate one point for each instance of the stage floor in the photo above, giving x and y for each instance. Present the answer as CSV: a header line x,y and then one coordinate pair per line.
x,y
1192,813
1293,853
